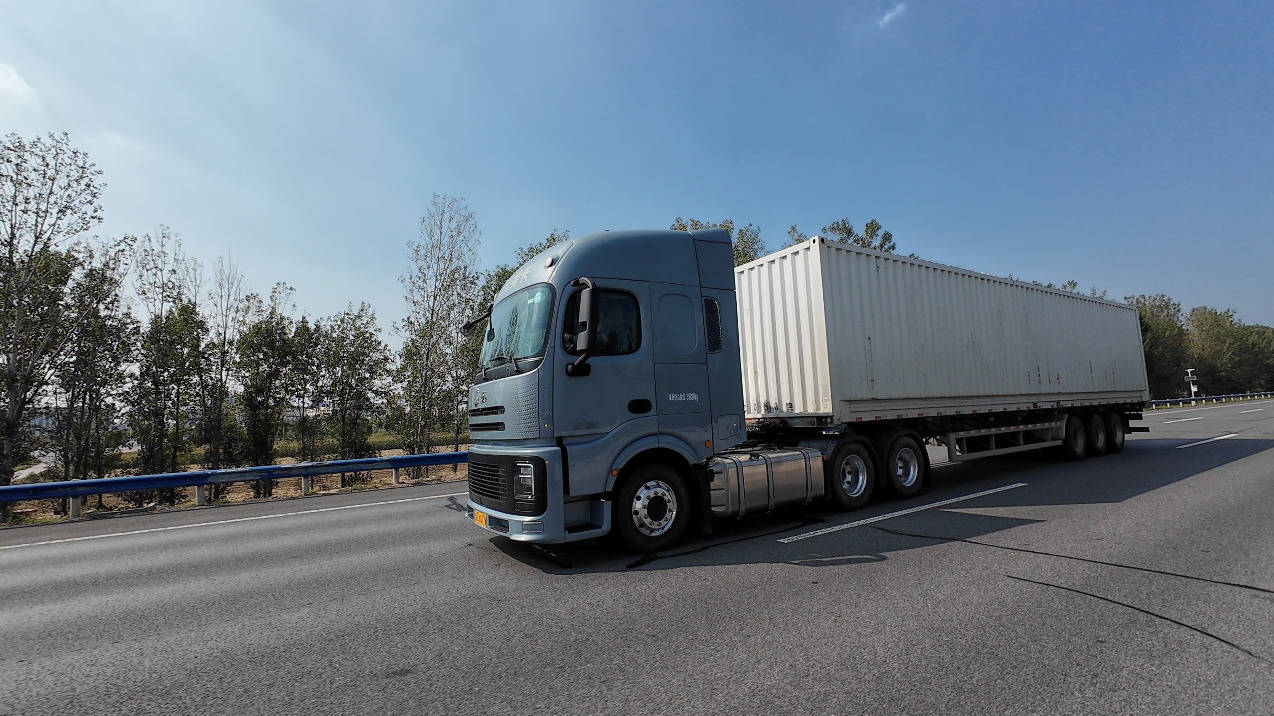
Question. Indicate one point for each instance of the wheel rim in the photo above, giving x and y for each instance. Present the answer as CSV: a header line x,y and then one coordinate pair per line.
x,y
654,508
907,467
853,476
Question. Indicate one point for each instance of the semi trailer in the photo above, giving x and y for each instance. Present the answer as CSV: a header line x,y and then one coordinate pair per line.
x,y
638,381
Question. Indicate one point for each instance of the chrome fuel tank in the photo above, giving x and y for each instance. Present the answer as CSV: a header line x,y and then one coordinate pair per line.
x,y
748,481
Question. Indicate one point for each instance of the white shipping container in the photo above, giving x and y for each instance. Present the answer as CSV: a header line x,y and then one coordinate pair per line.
x,y
829,329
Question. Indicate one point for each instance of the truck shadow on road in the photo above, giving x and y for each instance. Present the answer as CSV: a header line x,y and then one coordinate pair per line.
x,y
1144,466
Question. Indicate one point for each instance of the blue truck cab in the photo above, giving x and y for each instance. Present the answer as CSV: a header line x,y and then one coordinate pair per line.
x,y
609,369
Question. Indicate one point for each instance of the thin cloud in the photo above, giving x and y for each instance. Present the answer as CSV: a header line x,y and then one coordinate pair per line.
x,y
895,13
12,83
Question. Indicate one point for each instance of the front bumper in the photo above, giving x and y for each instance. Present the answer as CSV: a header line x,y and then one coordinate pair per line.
x,y
547,518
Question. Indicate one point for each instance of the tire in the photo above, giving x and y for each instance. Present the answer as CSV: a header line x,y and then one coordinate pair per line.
x,y
1075,440
851,476
1115,432
652,507
904,466
1096,427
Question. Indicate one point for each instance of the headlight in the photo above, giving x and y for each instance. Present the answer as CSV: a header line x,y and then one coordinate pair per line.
x,y
524,481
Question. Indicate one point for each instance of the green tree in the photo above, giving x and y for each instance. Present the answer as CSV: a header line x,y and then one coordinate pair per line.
x,y
225,319
441,290
263,364
165,402
1164,342
49,198
842,231
305,387
1216,350
746,239
91,375
355,365
494,279
1258,368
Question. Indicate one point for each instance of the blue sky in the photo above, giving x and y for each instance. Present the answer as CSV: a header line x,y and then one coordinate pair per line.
x,y
1126,146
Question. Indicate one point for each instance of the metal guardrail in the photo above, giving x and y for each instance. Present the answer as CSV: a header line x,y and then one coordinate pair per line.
x,y
1209,399
200,479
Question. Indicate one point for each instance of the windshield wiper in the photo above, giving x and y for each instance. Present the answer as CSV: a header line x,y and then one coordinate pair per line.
x,y
468,327
499,361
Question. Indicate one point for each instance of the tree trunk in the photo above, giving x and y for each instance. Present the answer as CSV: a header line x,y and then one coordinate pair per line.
x,y
8,460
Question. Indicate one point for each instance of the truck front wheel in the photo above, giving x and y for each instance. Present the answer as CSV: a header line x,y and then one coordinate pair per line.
x,y
851,475
652,507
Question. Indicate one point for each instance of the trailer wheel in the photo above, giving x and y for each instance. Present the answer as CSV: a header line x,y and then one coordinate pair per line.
x,y
1075,442
905,466
652,507
1114,432
851,475
1096,427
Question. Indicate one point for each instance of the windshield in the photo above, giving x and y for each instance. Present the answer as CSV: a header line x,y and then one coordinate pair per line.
x,y
519,326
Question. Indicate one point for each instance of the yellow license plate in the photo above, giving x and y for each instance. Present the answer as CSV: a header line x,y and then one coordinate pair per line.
x,y
480,518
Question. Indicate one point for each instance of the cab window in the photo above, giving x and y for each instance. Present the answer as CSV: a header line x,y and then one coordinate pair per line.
x,y
618,323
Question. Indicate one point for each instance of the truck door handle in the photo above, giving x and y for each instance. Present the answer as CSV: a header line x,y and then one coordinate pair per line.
x,y
639,406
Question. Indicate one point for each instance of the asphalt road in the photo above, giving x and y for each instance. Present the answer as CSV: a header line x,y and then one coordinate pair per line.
x,y
1139,582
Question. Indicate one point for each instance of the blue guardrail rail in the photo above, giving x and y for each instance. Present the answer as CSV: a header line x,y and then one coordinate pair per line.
x,y
97,486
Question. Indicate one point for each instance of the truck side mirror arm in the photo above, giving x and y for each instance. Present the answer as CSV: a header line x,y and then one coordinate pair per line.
x,y
584,328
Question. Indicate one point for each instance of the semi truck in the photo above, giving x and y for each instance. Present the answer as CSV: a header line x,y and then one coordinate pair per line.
x,y
639,382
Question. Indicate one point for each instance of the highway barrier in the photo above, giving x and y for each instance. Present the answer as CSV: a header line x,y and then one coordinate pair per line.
x,y
76,490
1173,402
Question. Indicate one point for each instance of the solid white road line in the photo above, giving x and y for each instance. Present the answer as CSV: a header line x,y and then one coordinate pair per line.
x,y
1209,440
232,521
1254,410
1148,413
899,513
1182,420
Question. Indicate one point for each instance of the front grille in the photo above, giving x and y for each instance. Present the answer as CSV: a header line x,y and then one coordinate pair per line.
x,y
492,410
488,481
491,483
483,427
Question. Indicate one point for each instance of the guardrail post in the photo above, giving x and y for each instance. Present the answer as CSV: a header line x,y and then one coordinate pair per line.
x,y
77,503
201,494
395,476
306,484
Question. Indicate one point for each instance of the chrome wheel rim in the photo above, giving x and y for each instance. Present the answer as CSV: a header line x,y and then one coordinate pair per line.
x,y
654,508
853,476
907,467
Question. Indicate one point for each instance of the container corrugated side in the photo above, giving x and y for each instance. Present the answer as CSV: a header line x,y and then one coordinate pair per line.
x,y
782,334
905,336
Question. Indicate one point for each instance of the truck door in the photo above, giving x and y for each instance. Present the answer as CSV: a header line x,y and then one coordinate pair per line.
x,y
684,399
617,397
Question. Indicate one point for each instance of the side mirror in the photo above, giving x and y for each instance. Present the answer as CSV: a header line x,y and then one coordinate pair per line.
x,y
584,328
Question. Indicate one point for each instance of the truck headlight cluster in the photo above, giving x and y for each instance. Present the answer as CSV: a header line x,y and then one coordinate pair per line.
x,y
524,481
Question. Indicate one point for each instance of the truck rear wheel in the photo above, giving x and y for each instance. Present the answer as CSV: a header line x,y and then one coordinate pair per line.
x,y
1075,441
851,475
1114,432
905,466
1096,426
652,507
